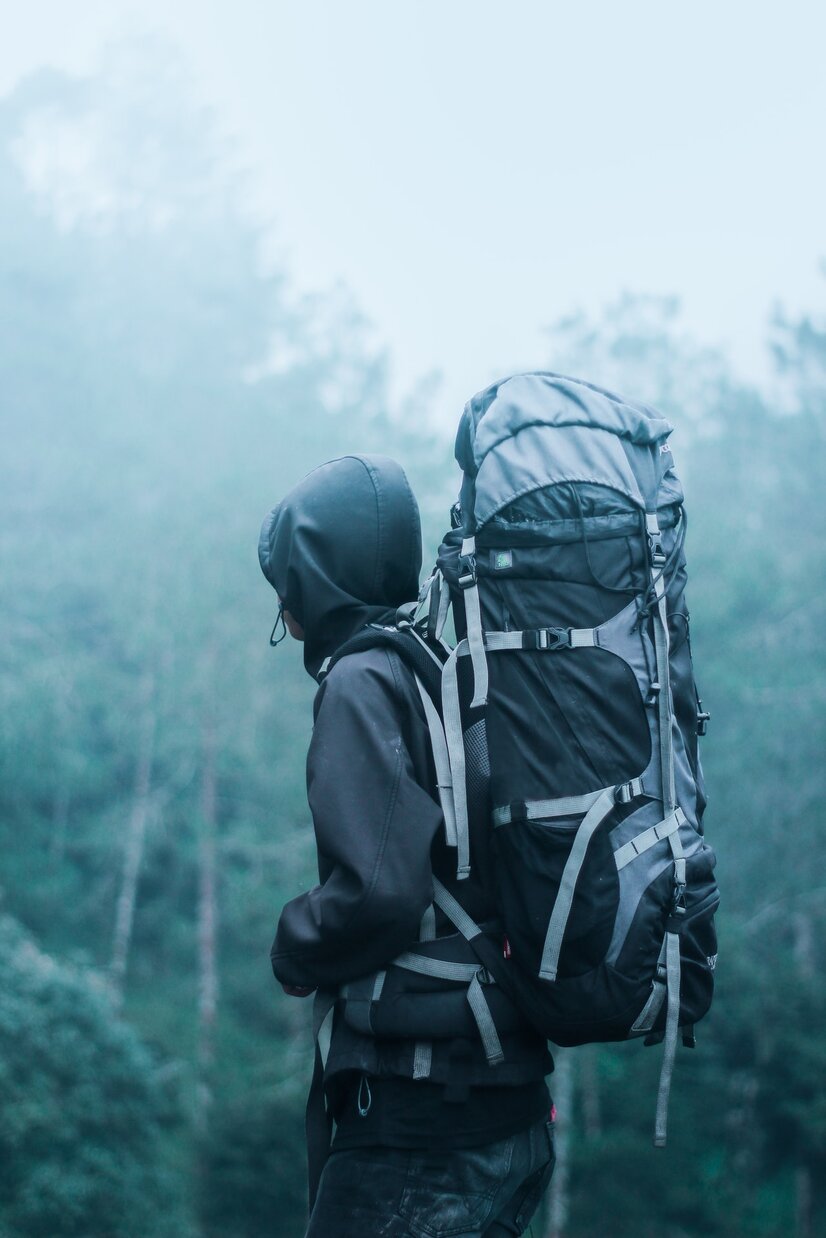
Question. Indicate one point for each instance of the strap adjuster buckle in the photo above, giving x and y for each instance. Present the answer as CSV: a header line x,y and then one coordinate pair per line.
x,y
467,571
655,545
678,904
624,793
655,550
551,638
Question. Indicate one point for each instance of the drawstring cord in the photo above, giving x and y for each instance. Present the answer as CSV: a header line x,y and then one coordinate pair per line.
x,y
574,491
364,1108
650,598
276,640
646,597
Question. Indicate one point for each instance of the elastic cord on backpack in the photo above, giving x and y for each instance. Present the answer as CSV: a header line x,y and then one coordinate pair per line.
x,y
596,579
650,596
648,592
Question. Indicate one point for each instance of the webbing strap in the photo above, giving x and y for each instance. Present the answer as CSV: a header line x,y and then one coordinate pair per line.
x,y
422,1059
365,990
563,806
456,756
427,929
672,1027
648,1015
423,1052
484,1022
423,602
318,1122
440,969
673,982
444,607
473,972
323,669
475,636
496,641
323,1022
441,759
454,911
541,639
426,647
594,817
661,644
662,648
648,839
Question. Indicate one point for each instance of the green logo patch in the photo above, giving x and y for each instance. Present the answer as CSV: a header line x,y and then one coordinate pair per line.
x,y
502,559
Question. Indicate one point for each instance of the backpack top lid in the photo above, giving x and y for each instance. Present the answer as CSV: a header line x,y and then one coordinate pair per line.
x,y
538,429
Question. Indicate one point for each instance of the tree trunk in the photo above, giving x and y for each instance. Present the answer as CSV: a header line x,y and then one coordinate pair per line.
x,y
135,838
207,924
62,794
558,1198
804,956
60,822
803,1202
589,1082
804,944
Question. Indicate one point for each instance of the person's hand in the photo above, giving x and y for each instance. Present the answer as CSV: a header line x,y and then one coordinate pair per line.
x,y
297,990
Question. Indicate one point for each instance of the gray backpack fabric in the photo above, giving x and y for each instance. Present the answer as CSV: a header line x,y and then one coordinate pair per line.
x,y
571,688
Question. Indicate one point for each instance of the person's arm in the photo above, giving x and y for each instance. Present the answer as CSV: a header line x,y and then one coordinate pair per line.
x,y
374,824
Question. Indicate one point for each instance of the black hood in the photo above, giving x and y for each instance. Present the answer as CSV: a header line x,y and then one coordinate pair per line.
x,y
343,549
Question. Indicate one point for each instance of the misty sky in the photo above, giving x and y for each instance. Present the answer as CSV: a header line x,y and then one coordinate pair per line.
x,y
474,170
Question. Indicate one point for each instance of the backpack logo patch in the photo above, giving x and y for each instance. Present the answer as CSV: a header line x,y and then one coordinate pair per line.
x,y
711,959
502,559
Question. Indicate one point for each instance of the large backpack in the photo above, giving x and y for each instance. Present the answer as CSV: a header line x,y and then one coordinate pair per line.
x,y
567,715
572,681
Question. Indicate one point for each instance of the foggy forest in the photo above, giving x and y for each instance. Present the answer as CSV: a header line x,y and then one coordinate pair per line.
x,y
162,386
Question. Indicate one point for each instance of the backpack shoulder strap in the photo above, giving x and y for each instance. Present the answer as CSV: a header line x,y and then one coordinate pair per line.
x,y
424,658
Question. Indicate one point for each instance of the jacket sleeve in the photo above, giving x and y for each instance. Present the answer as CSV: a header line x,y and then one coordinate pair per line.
x,y
374,825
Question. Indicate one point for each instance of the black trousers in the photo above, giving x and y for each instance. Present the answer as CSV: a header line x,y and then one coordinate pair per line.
x,y
489,1192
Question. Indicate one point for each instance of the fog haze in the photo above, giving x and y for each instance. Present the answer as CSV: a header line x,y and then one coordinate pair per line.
x,y
472,172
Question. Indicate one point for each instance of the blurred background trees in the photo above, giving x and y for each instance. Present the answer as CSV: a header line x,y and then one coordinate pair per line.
x,y
161,387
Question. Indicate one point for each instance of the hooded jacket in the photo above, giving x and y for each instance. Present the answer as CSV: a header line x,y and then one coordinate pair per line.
x,y
342,550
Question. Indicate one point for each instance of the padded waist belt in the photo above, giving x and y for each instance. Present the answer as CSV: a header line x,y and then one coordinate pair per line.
x,y
434,1016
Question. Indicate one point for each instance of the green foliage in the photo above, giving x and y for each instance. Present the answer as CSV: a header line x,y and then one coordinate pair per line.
x,y
747,1112
85,1120
161,388
251,1171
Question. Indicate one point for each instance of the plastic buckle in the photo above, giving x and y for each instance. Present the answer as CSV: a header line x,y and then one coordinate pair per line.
x,y
624,793
406,614
655,550
678,905
553,638
702,720
467,571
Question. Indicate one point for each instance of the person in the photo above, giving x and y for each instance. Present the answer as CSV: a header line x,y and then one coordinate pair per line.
x,y
461,1147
